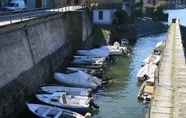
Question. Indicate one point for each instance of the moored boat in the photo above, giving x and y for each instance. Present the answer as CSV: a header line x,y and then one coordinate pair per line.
x,y
159,48
68,90
78,104
147,71
46,111
78,79
154,59
96,52
146,92
95,72
87,60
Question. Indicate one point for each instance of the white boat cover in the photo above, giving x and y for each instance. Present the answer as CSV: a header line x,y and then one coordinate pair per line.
x,y
78,78
104,51
149,70
97,52
88,59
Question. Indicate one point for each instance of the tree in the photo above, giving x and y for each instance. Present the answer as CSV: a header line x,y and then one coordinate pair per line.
x,y
120,17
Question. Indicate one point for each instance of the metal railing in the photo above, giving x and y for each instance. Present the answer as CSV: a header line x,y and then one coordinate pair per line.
x,y
24,15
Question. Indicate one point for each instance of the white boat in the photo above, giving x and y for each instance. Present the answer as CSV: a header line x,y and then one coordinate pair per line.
x,y
147,71
154,59
46,111
96,52
159,47
68,90
104,51
78,79
160,44
89,60
78,104
116,49
95,72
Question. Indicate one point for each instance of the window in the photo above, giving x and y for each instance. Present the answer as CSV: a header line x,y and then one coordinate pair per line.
x,y
100,13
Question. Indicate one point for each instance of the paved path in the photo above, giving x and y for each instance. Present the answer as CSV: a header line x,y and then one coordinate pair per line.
x,y
180,78
170,96
162,104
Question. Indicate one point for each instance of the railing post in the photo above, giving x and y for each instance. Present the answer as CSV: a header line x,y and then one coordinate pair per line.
x,y
10,19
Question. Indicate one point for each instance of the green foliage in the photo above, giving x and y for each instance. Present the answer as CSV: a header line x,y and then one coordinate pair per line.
x,y
100,36
159,15
120,17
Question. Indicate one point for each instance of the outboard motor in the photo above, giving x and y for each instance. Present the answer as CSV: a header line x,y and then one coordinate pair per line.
x,y
93,105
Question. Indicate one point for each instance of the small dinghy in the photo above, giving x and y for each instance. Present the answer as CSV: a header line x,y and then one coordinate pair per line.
x,y
147,71
78,104
68,90
45,111
146,92
154,59
78,79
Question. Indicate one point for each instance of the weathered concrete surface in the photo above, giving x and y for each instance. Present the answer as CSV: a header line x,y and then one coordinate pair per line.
x,y
179,78
162,104
30,52
170,96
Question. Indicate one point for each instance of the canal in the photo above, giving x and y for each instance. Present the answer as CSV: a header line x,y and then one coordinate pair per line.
x,y
119,98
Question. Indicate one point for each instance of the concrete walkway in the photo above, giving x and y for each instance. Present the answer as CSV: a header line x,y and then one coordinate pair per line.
x,y
162,106
179,78
170,96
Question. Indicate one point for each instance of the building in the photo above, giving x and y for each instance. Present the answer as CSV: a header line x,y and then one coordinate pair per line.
x,y
103,13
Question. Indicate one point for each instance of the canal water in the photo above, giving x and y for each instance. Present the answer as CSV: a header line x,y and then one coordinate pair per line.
x,y
119,99
179,13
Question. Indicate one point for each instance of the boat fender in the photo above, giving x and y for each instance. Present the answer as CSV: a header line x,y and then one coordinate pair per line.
x,y
88,115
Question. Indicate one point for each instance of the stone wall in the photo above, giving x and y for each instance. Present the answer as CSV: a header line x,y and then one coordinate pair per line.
x,y
30,52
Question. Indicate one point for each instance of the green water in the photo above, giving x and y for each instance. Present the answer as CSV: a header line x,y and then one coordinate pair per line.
x,y
119,99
